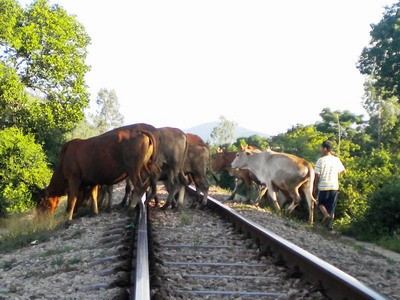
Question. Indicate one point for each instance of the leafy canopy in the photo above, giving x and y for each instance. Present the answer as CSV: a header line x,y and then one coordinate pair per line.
x,y
46,48
381,58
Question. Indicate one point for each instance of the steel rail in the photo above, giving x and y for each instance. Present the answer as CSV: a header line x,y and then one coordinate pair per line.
x,y
140,279
335,283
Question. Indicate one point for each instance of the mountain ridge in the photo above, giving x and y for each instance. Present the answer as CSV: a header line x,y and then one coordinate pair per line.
x,y
204,130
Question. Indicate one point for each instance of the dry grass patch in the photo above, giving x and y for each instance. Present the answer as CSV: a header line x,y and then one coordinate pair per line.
x,y
20,230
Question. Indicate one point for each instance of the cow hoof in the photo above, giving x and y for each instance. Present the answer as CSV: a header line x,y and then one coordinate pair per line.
x,y
132,212
67,224
202,206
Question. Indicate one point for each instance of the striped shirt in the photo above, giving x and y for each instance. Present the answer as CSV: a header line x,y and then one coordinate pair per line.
x,y
328,168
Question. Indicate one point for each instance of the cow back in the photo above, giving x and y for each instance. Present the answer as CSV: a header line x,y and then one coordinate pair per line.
x,y
198,155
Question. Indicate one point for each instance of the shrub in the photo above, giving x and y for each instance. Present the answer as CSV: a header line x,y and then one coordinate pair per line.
x,y
383,215
22,167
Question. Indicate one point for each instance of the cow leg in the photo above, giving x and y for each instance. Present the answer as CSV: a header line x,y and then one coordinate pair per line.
x,y
204,186
307,190
128,190
238,182
72,197
273,194
294,194
262,190
205,196
171,196
110,189
152,194
247,183
95,193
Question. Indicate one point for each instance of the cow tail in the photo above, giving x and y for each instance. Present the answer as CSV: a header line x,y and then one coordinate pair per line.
x,y
149,158
312,180
182,176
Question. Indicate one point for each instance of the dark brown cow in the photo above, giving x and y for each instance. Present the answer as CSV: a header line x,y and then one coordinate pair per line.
x,y
196,163
222,160
173,147
109,158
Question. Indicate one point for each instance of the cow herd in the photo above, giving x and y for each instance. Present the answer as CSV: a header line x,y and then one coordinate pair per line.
x,y
142,155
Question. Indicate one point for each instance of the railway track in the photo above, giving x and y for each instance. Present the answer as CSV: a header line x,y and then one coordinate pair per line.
x,y
217,254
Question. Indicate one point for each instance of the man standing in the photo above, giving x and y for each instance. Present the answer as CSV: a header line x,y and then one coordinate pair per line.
x,y
327,170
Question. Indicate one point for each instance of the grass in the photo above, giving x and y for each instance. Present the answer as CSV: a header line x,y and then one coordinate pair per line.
x,y
57,261
390,242
62,250
186,219
8,264
20,230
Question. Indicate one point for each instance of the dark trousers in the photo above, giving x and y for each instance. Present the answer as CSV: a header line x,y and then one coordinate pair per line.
x,y
328,199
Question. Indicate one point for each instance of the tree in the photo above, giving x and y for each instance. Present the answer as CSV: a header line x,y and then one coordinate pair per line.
x,y
384,118
46,49
108,115
253,140
13,99
343,127
22,167
48,52
224,133
381,58
301,140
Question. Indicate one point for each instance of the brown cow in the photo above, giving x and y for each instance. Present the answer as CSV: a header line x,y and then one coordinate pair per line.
x,y
222,160
173,147
196,163
109,158
280,171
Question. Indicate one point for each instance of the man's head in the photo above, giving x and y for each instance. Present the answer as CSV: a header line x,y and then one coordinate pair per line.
x,y
327,147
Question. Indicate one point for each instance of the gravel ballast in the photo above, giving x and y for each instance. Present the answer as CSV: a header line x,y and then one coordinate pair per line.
x,y
62,268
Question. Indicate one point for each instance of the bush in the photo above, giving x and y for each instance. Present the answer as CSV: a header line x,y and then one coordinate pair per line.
x,y
364,176
22,168
383,215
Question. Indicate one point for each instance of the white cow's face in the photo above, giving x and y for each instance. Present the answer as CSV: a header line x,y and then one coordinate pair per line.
x,y
240,160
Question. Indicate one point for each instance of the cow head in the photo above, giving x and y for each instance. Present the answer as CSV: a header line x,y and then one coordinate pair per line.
x,y
44,203
242,157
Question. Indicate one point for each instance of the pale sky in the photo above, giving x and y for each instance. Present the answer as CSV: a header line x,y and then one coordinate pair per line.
x,y
266,65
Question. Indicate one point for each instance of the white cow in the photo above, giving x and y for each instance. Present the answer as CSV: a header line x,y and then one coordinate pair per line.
x,y
280,171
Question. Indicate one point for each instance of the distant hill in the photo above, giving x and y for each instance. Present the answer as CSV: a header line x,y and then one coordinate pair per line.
x,y
204,131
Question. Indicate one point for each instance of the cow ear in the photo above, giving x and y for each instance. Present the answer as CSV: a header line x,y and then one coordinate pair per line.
x,y
244,148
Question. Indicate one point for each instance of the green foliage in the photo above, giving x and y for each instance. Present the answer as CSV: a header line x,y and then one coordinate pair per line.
x,y
382,218
43,51
300,140
22,167
13,100
10,13
107,117
381,58
253,140
384,118
364,176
